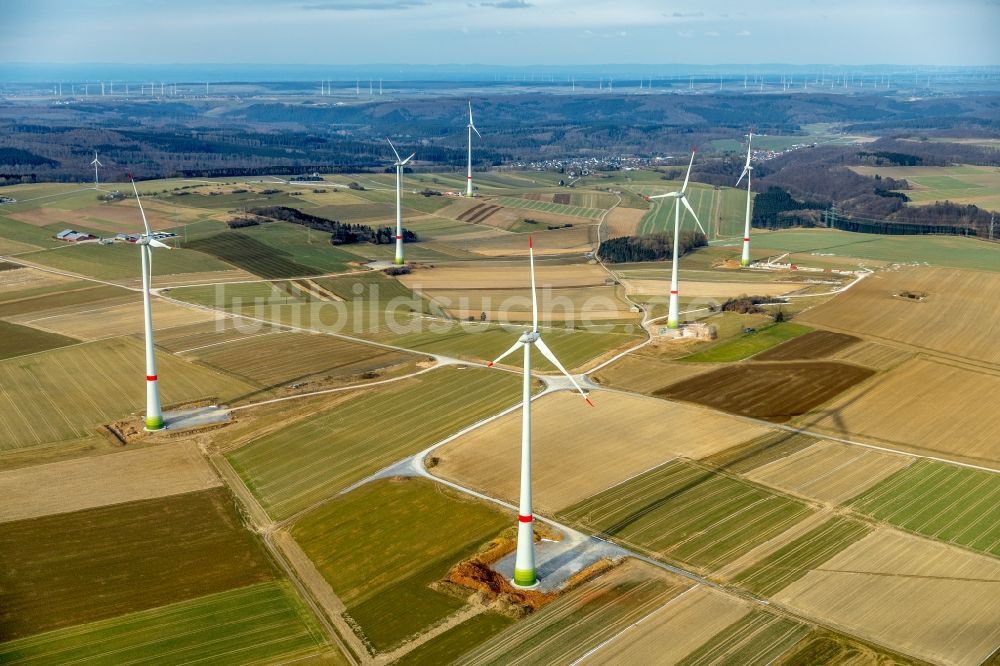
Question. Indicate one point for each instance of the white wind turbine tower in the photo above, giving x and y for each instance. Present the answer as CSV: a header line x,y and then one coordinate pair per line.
x,y
471,128
681,196
400,163
96,163
154,417
745,258
524,562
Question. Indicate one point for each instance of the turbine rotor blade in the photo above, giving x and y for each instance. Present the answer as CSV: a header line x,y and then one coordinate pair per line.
x,y
504,355
691,210
156,243
740,179
149,231
412,155
393,149
534,297
688,175
547,353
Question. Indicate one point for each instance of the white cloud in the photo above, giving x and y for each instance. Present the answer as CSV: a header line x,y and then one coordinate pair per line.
x,y
711,33
743,33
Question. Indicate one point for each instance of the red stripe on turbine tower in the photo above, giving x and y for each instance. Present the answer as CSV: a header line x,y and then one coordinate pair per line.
x,y
524,519
746,238
399,238
673,291
531,243
150,378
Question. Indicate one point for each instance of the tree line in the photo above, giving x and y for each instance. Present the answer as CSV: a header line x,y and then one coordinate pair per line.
x,y
650,247
340,233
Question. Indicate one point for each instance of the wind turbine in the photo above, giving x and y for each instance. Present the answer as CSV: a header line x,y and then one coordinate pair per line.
x,y
400,163
745,259
472,128
154,417
96,163
681,196
524,562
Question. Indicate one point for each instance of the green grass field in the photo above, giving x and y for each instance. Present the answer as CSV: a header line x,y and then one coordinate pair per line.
x,y
247,252
795,559
67,569
251,624
58,296
966,184
660,219
758,639
685,513
747,344
942,501
121,261
484,342
548,207
950,251
16,340
455,642
302,245
314,458
381,545
240,296
64,394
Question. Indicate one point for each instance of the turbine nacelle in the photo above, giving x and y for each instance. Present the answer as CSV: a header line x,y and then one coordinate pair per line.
x,y
399,160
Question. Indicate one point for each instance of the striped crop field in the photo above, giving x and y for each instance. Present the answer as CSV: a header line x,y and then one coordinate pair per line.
x,y
571,626
63,394
314,458
946,502
548,207
685,513
661,218
250,624
794,560
758,638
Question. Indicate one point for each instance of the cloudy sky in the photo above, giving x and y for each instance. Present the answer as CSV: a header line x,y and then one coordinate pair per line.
x,y
509,32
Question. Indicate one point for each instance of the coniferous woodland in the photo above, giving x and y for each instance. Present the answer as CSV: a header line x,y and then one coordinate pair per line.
x,y
651,247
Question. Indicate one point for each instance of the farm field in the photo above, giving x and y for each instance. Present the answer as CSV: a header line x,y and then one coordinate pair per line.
x,y
505,275
710,288
247,252
954,318
800,556
760,451
206,335
873,354
456,641
57,299
771,391
95,322
758,639
829,472
570,304
685,513
811,346
139,474
677,629
306,247
575,348
927,599
256,623
824,244
660,219
17,281
16,340
569,436
382,544
578,239
946,502
138,555
748,344
313,458
879,414
964,184
624,221
121,261
63,394
549,207
645,374
282,357
569,627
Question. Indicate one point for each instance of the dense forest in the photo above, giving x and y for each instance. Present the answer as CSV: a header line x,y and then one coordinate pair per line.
x,y
651,247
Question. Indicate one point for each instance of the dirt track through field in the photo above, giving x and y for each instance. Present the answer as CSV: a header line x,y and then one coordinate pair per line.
x,y
71,485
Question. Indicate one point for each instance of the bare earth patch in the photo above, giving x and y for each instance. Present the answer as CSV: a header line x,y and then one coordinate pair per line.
x,y
71,485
